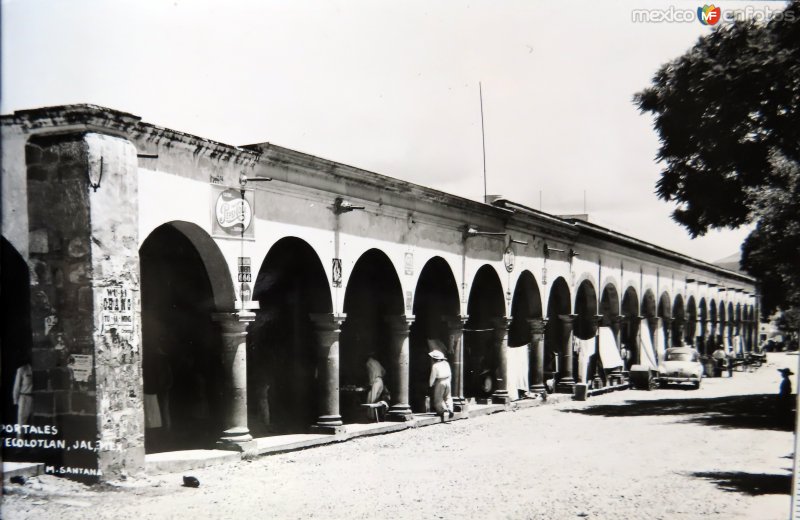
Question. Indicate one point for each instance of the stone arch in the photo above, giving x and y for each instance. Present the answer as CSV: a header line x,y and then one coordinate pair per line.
x,y
283,374
436,300
486,309
184,281
373,296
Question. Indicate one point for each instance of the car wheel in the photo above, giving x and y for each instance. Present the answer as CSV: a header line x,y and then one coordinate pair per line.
x,y
697,385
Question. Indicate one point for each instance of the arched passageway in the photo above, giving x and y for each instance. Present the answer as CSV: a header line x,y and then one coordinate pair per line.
x,y
436,306
705,325
285,384
690,331
181,345
630,330
665,321
731,325
679,324
713,328
372,300
585,329
484,332
558,350
527,331
15,332
722,326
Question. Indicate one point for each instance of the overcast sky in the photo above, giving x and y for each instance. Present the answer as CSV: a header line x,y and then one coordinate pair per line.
x,y
390,87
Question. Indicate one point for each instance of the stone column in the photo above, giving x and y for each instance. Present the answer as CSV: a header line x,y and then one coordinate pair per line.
x,y
679,324
635,324
537,355
235,433
455,336
566,380
618,322
667,328
398,347
500,395
326,329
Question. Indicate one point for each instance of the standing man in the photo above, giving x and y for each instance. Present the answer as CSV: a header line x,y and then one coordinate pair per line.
x,y
375,375
23,393
440,382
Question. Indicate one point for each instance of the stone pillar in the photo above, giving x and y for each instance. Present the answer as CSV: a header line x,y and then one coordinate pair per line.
x,y
500,395
235,432
679,325
455,336
635,324
566,380
326,329
537,355
398,347
667,328
82,219
618,322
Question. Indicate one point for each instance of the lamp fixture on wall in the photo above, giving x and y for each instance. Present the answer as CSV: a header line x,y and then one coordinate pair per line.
x,y
472,231
244,179
342,206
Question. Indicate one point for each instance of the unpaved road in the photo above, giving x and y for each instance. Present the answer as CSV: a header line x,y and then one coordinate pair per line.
x,y
720,452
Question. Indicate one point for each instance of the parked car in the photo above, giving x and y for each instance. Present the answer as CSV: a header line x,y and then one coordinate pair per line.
x,y
680,365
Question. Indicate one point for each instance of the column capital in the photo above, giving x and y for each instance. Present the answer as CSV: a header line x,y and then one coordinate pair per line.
x,y
399,323
455,322
537,325
618,319
502,322
567,318
233,322
327,320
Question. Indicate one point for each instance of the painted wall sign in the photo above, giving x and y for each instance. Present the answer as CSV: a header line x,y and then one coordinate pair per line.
x,y
81,366
244,274
117,310
232,213
336,272
245,292
409,264
508,259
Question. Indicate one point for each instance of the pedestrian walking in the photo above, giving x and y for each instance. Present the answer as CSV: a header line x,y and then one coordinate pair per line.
x,y
785,390
439,381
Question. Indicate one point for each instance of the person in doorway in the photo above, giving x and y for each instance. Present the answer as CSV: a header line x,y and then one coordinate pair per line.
x,y
23,392
375,375
439,381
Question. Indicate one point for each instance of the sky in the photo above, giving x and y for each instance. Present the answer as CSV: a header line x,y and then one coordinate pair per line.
x,y
390,87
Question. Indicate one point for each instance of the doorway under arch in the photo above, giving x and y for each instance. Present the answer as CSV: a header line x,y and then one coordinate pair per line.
x,y
283,379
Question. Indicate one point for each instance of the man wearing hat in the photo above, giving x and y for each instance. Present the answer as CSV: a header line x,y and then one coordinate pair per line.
x,y
785,391
440,381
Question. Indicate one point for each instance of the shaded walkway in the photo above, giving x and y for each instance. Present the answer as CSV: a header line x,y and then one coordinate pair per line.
x,y
757,411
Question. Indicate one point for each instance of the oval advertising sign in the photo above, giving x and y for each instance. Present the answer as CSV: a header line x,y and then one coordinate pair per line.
x,y
233,212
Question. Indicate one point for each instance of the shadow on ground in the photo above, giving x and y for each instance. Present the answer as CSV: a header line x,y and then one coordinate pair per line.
x,y
758,411
749,483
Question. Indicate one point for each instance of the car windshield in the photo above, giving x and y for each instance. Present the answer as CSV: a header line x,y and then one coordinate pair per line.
x,y
681,356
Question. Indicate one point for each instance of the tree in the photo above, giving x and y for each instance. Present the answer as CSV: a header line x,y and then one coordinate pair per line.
x,y
728,117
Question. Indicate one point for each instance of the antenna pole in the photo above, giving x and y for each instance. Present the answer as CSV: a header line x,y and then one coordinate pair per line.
x,y
483,140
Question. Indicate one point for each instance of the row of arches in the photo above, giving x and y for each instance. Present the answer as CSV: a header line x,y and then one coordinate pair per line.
x,y
290,375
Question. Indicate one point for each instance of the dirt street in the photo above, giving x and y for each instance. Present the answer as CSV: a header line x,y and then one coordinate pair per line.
x,y
720,452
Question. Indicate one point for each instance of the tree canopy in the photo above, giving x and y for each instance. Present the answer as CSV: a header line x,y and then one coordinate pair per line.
x,y
728,116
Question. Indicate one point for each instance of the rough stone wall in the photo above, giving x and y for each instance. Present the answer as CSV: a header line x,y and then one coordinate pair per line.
x,y
117,318
85,309
61,295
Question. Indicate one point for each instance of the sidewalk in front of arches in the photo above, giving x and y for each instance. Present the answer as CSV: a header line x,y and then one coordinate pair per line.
x,y
175,461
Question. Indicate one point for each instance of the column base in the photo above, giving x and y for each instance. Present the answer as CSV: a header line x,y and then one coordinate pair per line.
x,y
537,389
460,404
400,413
501,397
236,439
565,387
327,429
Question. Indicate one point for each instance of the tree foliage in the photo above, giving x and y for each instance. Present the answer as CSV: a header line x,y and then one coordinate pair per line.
x,y
728,116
